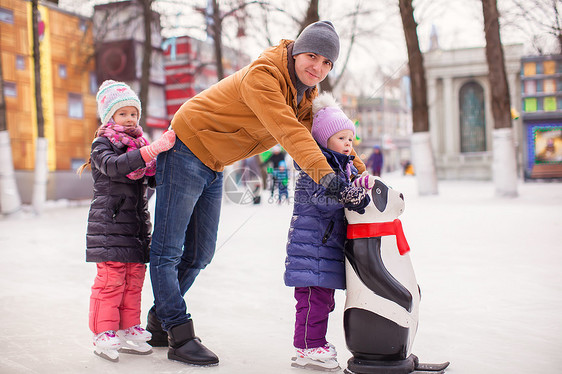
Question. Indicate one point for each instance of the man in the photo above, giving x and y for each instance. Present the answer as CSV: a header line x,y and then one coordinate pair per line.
x,y
265,103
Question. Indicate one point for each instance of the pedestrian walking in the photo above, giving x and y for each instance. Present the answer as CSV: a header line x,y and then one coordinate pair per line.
x,y
375,161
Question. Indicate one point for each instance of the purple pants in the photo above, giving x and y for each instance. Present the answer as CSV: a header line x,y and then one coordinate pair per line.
x,y
313,306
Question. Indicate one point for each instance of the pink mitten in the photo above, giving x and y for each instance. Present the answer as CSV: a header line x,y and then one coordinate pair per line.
x,y
165,142
364,180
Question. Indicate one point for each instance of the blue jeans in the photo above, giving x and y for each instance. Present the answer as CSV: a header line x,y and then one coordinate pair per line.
x,y
186,219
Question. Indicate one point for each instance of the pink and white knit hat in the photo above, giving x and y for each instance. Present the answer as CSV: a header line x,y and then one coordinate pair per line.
x,y
114,95
328,119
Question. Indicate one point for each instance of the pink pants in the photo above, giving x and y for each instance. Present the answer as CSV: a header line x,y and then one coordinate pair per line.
x,y
115,302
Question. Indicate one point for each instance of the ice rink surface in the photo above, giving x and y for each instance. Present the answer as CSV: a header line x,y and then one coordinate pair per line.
x,y
488,268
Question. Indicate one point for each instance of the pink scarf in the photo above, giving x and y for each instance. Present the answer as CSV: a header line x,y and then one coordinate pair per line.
x,y
130,137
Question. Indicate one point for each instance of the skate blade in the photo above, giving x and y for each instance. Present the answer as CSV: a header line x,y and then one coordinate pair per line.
x,y
132,351
317,365
104,355
136,349
422,366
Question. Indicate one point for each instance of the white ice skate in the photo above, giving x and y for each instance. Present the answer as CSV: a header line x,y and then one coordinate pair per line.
x,y
106,345
321,358
134,340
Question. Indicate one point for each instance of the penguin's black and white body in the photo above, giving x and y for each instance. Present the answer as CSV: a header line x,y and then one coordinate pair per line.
x,y
382,305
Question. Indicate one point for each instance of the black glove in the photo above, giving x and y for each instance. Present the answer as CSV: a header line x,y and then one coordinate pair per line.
x,y
353,198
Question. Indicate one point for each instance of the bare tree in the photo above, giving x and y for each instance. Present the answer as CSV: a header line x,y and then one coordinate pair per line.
x,y
10,201
146,60
41,171
215,17
537,19
505,165
312,15
422,152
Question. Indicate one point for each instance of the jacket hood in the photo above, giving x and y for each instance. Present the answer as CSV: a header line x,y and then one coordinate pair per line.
x,y
335,159
272,54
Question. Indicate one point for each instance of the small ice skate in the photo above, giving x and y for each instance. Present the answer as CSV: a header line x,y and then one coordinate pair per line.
x,y
134,340
320,358
106,345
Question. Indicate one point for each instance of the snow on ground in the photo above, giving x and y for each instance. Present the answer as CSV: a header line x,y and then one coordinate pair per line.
x,y
488,269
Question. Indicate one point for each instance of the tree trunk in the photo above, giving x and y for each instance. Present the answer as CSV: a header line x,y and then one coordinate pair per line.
x,y
311,15
422,153
41,170
217,39
504,162
10,201
146,62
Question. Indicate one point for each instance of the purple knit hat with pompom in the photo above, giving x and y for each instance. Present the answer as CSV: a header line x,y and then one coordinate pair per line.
x,y
328,119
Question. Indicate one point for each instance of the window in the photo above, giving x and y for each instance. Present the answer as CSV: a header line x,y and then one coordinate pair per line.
x,y
75,106
10,89
6,16
75,163
20,62
62,71
83,25
530,104
549,85
93,83
472,118
540,68
530,87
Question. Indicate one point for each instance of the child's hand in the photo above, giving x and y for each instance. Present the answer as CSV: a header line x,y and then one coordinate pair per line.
x,y
355,198
164,143
364,180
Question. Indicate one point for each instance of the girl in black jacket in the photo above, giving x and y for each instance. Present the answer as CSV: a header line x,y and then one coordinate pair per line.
x,y
118,236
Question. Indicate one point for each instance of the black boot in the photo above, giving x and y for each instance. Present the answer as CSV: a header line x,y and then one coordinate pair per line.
x,y
153,325
186,347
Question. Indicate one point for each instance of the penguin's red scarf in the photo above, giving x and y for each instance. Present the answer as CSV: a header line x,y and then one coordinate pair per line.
x,y
371,230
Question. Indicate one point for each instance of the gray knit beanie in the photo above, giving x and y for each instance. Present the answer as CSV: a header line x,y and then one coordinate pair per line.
x,y
320,38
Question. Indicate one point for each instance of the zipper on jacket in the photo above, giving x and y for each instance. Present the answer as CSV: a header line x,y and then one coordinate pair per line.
x,y
118,207
328,232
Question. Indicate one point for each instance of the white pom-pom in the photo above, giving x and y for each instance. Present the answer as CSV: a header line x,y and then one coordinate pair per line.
x,y
324,100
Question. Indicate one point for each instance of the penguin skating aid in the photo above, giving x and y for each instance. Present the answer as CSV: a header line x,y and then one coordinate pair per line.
x,y
382,304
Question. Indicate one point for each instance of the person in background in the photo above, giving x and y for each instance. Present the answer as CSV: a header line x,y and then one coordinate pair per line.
x,y
272,166
280,183
263,104
375,161
118,234
251,177
315,249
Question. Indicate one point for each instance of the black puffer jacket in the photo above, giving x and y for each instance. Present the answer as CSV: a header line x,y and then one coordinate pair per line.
x,y
119,222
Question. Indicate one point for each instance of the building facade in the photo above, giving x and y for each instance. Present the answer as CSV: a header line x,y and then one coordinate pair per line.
x,y
119,42
460,114
68,88
190,68
541,91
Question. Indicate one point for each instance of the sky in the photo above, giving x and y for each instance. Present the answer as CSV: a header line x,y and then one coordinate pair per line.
x,y
457,22
488,270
